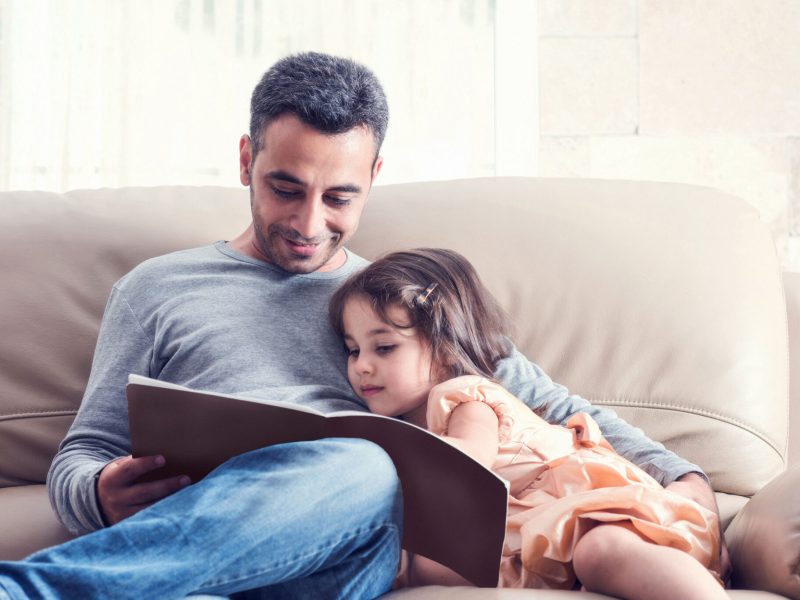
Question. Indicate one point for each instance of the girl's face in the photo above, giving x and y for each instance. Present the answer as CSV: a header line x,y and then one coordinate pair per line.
x,y
389,368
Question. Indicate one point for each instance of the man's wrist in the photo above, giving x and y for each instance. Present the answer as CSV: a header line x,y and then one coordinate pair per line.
x,y
95,485
694,475
695,485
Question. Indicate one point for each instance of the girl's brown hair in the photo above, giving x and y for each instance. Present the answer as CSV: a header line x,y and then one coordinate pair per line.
x,y
445,302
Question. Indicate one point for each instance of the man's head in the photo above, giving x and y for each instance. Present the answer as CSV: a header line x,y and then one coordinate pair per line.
x,y
329,93
317,124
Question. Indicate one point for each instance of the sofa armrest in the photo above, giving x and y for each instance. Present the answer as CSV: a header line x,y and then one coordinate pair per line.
x,y
791,286
27,522
764,538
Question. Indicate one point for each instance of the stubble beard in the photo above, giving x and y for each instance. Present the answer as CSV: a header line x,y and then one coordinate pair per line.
x,y
271,243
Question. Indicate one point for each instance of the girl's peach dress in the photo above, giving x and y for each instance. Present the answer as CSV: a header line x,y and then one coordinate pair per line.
x,y
565,480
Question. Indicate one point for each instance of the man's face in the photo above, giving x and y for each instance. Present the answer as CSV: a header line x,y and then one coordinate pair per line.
x,y
307,192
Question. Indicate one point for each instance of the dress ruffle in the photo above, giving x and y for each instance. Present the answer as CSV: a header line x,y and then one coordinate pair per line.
x,y
564,481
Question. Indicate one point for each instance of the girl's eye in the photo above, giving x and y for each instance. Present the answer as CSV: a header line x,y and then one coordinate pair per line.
x,y
385,349
351,353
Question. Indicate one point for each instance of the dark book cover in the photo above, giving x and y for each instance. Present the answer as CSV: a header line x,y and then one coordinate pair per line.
x,y
454,507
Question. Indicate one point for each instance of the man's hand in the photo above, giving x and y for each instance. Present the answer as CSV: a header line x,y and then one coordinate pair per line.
x,y
695,487
120,496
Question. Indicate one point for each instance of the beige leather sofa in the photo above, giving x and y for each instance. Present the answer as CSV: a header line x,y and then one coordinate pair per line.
x,y
664,302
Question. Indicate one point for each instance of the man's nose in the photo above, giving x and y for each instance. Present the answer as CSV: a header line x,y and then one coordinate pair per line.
x,y
309,221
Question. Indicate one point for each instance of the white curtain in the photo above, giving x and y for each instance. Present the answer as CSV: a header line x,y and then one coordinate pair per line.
x,y
100,93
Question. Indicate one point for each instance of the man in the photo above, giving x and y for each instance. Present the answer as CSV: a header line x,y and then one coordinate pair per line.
x,y
313,519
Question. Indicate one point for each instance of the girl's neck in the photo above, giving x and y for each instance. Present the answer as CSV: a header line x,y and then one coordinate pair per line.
x,y
418,416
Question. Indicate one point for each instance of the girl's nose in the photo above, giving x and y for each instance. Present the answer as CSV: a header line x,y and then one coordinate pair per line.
x,y
363,365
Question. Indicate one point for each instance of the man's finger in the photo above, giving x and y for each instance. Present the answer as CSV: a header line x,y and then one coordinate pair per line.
x,y
128,469
147,493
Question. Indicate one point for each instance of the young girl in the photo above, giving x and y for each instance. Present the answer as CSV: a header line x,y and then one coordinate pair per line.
x,y
423,337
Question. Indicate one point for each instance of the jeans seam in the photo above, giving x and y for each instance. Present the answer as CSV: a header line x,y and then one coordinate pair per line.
x,y
297,559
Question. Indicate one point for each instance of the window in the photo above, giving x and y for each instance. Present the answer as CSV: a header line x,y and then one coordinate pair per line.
x,y
113,93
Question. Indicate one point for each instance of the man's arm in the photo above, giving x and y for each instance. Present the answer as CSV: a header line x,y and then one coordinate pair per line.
x,y
99,434
555,404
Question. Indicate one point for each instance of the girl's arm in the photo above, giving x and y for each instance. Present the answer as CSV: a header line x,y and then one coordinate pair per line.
x,y
473,429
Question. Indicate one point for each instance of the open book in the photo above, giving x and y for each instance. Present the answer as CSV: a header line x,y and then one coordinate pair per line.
x,y
454,507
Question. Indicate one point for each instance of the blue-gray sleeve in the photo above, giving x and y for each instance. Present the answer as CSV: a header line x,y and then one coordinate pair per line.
x,y
555,404
99,433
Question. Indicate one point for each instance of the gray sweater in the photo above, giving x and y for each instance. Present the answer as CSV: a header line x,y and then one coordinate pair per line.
x,y
212,318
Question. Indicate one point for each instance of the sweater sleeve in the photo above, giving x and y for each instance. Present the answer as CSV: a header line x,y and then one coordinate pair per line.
x,y
100,432
555,404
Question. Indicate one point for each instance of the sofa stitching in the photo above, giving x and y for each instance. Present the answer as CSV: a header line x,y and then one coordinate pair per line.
x,y
698,411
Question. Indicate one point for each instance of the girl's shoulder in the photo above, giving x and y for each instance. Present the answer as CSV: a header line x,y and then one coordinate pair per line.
x,y
469,382
472,387
446,396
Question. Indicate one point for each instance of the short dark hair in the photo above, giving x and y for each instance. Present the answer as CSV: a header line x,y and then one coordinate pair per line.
x,y
329,93
445,302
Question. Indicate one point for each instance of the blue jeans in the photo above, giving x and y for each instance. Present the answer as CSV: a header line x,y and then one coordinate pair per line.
x,y
315,519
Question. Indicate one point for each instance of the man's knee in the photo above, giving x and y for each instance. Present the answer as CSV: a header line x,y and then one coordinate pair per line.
x,y
365,463
354,467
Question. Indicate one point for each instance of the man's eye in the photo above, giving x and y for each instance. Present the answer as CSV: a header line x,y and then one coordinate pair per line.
x,y
284,193
386,349
338,202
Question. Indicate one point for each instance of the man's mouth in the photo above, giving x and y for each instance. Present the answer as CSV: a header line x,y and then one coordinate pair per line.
x,y
302,248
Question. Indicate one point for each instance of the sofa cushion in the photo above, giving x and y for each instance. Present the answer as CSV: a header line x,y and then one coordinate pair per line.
x,y
27,522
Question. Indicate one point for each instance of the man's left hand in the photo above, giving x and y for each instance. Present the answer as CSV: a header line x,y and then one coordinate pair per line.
x,y
695,487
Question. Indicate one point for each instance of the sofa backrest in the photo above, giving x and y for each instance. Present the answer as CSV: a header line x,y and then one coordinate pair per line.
x,y
59,257
661,301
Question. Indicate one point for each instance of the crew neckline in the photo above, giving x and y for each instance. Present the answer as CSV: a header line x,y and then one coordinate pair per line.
x,y
225,248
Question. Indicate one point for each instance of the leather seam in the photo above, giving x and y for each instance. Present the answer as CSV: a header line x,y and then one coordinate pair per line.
x,y
697,411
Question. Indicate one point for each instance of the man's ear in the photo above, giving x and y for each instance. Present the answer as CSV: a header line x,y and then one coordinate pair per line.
x,y
376,168
245,159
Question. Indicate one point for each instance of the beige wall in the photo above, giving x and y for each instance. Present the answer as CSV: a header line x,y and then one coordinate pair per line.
x,y
677,90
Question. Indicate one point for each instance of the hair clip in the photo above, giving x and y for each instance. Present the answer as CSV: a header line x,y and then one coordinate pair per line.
x,y
423,297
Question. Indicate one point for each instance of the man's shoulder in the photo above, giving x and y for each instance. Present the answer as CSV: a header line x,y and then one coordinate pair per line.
x,y
354,262
159,268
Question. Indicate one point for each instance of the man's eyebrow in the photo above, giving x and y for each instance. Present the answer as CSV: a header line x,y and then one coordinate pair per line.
x,y
347,188
284,176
